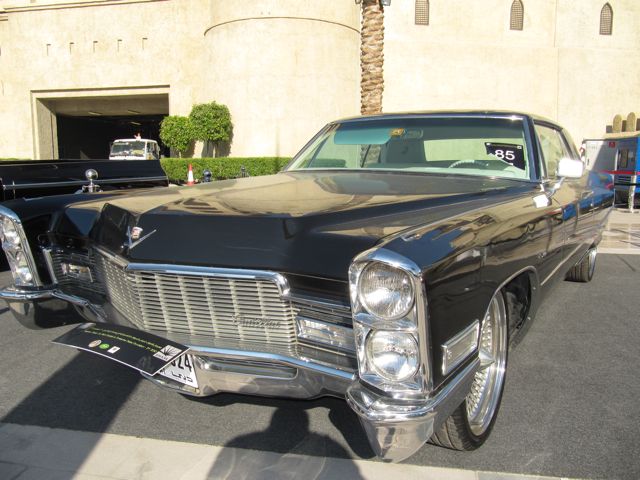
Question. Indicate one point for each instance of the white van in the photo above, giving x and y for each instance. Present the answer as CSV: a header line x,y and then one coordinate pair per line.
x,y
134,149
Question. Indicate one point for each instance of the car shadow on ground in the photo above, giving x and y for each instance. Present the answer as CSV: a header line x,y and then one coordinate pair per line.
x,y
289,428
85,394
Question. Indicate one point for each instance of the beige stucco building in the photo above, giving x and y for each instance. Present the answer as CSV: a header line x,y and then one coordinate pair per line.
x,y
286,67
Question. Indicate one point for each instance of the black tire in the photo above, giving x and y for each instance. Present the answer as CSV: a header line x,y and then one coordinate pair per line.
x,y
457,432
584,269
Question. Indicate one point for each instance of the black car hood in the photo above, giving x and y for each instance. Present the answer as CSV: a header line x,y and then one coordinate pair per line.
x,y
298,222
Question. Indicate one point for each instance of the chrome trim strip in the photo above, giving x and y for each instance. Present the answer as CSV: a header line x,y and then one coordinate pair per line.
x,y
274,277
564,260
46,253
313,302
4,211
274,357
121,262
280,280
20,295
449,364
23,186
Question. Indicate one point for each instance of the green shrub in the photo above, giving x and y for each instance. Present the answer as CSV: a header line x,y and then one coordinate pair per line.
x,y
221,168
177,132
211,122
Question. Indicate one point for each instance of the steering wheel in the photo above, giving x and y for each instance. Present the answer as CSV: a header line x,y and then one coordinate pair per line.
x,y
457,163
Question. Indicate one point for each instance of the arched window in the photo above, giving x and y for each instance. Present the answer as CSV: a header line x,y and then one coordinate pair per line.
x,y
517,15
422,12
606,20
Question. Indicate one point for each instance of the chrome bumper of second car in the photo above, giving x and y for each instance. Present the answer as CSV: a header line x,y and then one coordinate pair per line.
x,y
395,428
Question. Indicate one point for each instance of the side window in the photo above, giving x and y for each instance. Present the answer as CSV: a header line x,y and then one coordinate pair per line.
x,y
553,148
623,160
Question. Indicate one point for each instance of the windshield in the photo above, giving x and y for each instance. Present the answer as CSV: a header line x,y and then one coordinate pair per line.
x,y
131,148
461,145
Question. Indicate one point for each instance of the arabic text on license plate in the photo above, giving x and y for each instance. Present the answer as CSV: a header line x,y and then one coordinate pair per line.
x,y
181,370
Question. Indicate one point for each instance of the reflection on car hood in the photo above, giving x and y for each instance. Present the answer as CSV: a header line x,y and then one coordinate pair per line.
x,y
298,222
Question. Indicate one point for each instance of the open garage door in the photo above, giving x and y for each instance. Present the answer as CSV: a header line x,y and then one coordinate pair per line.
x,y
90,137
84,126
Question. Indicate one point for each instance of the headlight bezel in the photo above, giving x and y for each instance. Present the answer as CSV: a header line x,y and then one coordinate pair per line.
x,y
405,281
411,366
15,250
413,323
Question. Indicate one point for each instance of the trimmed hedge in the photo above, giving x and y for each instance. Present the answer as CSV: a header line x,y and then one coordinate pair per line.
x,y
221,168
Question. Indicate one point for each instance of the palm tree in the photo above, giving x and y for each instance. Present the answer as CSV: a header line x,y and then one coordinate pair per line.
x,y
371,57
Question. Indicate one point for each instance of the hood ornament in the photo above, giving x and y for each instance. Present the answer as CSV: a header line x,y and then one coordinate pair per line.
x,y
134,237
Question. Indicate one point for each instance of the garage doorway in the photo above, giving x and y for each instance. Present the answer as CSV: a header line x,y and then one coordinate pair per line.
x,y
91,137
72,125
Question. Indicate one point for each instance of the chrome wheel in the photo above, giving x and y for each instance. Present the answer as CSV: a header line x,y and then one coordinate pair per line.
x,y
484,398
593,253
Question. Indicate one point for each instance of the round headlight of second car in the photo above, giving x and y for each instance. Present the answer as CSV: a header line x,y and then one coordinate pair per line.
x,y
393,355
10,234
385,291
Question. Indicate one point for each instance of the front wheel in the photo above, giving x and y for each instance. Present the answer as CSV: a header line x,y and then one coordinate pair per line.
x,y
470,424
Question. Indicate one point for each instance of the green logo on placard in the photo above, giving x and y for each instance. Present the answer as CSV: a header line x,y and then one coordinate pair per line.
x,y
104,346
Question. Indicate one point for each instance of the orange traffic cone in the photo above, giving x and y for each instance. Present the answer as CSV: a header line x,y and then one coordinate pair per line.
x,y
190,176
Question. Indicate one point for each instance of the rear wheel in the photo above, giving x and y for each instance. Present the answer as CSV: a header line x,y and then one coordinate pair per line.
x,y
470,424
584,269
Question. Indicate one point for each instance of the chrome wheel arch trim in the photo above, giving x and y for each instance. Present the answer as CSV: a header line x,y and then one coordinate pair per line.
x,y
534,292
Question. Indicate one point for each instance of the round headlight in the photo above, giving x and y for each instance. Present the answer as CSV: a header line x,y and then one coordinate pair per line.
x,y
9,232
385,291
393,355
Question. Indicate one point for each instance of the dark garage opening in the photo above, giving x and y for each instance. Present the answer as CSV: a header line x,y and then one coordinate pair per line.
x,y
90,137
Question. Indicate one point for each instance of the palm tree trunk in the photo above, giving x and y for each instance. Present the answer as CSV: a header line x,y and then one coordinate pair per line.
x,y
371,57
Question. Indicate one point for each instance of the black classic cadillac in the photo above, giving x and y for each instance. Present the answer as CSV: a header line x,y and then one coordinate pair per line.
x,y
393,263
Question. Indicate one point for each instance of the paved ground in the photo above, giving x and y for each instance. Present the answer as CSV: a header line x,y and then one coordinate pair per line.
x,y
623,233
569,408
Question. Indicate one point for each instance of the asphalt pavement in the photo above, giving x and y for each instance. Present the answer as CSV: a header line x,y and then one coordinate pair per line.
x,y
569,409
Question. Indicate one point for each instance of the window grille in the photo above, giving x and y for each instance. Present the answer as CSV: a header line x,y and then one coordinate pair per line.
x,y
606,20
517,15
422,12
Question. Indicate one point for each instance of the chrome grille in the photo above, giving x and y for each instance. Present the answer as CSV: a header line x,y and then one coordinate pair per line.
x,y
230,308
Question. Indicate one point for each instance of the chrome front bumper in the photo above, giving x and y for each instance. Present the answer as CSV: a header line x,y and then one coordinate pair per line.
x,y
395,428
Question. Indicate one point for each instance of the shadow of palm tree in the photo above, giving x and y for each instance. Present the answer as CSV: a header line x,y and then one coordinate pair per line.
x,y
293,461
274,440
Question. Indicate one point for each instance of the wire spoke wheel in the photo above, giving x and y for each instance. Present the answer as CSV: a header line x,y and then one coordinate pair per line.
x,y
483,400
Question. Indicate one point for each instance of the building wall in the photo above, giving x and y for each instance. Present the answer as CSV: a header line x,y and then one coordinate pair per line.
x,y
558,66
283,67
286,67
93,48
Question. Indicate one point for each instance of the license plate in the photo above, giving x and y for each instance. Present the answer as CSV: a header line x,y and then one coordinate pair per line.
x,y
181,370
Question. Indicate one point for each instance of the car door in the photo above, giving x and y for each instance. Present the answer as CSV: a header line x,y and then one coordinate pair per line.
x,y
571,196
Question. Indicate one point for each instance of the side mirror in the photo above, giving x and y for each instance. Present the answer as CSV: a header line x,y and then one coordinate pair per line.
x,y
570,168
